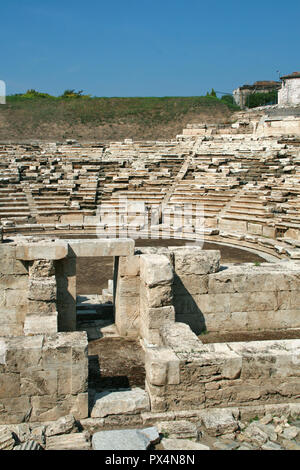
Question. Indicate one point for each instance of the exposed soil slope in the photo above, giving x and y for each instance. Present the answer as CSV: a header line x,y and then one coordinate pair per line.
x,y
105,119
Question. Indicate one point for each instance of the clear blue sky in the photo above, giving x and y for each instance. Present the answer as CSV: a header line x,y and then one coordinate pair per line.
x,y
146,47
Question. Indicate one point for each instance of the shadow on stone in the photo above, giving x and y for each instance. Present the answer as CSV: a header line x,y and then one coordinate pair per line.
x,y
186,309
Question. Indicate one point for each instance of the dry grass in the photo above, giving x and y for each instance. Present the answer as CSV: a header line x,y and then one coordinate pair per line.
x,y
105,118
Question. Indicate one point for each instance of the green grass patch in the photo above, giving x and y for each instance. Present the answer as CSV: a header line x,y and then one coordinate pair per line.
x,y
35,108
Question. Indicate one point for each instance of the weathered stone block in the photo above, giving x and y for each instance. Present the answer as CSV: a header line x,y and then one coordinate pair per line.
x,y
40,324
152,336
79,377
15,282
42,289
21,431
190,284
128,286
9,385
16,297
219,421
127,316
48,408
155,269
7,251
105,247
155,297
182,444
162,367
80,407
38,382
129,265
122,440
7,440
196,262
258,301
65,425
41,268
156,317
178,429
22,351
124,402
80,441
42,251
12,266
41,307
14,410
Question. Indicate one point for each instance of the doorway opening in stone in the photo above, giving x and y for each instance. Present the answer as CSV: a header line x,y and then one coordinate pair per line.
x,y
115,362
94,296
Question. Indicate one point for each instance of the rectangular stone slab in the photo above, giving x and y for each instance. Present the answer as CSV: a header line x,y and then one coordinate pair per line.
x,y
48,251
107,247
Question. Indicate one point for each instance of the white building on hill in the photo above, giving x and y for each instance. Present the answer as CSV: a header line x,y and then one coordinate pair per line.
x,y
289,93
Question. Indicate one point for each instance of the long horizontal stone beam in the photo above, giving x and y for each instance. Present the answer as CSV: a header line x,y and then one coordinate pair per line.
x,y
102,247
49,251
78,248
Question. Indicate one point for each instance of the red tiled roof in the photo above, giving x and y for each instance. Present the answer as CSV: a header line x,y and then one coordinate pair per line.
x,y
291,75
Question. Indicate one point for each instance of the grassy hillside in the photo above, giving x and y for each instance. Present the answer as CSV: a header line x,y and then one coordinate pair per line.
x,y
27,117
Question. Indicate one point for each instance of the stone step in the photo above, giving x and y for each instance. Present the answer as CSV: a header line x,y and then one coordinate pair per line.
x,y
120,402
125,439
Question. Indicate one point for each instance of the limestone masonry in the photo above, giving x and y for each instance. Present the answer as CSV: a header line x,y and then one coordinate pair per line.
x,y
246,178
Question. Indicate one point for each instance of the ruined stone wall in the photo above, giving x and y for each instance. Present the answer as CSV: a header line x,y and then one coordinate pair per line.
x,y
38,283
244,297
31,289
127,295
205,296
143,298
192,268
278,126
289,94
14,290
43,373
43,377
184,374
156,307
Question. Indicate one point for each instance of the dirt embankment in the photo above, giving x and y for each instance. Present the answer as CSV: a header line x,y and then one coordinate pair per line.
x,y
106,119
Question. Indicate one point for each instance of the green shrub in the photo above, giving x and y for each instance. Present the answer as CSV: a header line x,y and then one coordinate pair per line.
x,y
262,99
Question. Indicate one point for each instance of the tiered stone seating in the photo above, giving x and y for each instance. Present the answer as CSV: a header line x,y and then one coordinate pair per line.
x,y
249,187
13,201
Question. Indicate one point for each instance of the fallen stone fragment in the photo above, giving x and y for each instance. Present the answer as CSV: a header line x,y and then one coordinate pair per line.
x,y
125,439
255,435
7,440
266,419
120,402
290,445
38,434
29,445
219,445
182,444
64,425
177,429
245,447
271,446
278,429
291,432
80,441
228,437
152,434
20,431
219,422
269,430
